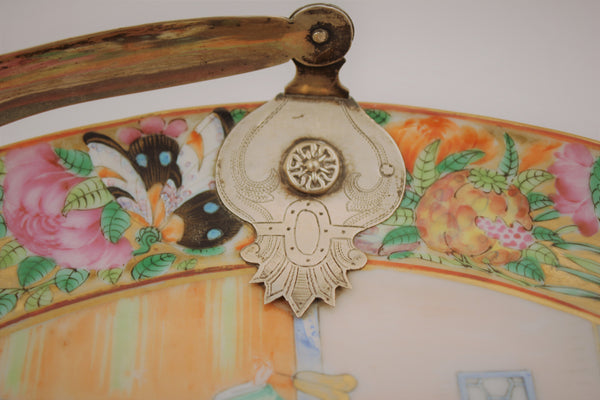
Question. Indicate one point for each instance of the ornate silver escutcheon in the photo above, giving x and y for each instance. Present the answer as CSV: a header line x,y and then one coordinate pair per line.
x,y
308,173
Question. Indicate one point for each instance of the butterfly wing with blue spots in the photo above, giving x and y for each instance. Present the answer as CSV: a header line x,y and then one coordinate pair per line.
x,y
169,182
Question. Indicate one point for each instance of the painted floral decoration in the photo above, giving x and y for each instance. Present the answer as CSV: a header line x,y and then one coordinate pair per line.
x,y
36,187
54,224
69,215
139,202
574,184
494,221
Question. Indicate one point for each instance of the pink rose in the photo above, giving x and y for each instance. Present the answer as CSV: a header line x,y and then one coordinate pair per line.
x,y
36,186
572,170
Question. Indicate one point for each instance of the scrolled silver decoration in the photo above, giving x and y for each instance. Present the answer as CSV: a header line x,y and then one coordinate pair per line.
x,y
340,173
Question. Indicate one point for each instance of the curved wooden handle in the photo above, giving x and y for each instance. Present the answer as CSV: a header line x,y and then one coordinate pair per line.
x,y
154,56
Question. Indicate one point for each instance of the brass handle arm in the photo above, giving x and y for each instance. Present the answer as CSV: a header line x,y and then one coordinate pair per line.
x,y
160,55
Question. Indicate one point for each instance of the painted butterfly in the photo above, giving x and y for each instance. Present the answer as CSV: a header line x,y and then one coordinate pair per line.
x,y
168,183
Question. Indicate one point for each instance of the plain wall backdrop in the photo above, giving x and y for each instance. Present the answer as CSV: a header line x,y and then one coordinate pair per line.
x,y
535,62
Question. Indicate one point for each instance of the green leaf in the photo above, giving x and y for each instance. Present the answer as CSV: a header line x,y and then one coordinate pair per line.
x,y
114,221
527,267
11,253
8,301
590,265
439,260
410,199
402,235
86,195
3,228
1,194
211,251
409,179
458,161
595,186
69,279
237,114
571,291
77,161
2,169
39,298
578,246
527,180
146,237
152,266
583,275
563,230
543,254
111,275
379,116
542,233
509,165
538,200
488,180
399,255
186,264
424,172
401,217
546,216
34,269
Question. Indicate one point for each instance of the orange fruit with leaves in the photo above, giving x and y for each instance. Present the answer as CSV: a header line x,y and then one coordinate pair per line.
x,y
455,216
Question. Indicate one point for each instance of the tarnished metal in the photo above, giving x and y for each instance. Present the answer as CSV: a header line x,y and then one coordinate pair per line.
x,y
152,56
331,35
310,170
312,166
308,173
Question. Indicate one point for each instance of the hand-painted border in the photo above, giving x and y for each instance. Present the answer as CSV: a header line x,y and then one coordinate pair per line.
x,y
549,212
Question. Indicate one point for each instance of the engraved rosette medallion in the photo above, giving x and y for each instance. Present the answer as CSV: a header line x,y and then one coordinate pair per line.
x,y
309,173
